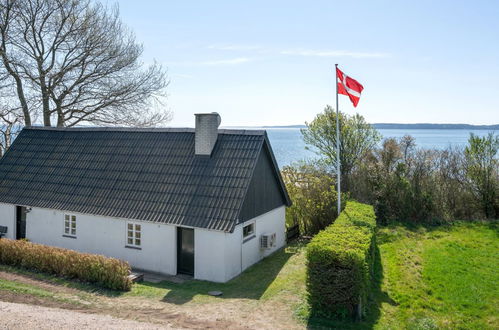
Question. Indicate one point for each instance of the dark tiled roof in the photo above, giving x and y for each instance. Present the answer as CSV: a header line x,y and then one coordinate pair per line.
x,y
143,174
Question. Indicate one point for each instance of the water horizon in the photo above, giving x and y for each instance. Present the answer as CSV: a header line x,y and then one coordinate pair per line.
x,y
289,147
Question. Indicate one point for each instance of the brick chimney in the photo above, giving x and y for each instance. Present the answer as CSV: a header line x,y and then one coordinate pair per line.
x,y
206,132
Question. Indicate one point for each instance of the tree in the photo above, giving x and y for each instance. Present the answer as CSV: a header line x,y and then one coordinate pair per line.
x,y
482,171
356,138
69,62
311,188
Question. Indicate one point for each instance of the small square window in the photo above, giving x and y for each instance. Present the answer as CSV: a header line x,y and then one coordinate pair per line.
x,y
248,230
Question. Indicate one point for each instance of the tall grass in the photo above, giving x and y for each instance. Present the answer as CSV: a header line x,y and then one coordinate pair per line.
x,y
106,272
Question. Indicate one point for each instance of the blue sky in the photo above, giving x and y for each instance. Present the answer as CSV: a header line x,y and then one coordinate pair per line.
x,y
271,62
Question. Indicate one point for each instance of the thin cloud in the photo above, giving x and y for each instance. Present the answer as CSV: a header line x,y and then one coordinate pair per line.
x,y
333,53
297,52
230,61
234,47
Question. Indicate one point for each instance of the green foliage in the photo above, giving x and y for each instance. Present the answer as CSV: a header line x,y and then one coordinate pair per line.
x,y
357,138
429,186
357,214
340,263
402,182
443,277
482,171
312,190
106,272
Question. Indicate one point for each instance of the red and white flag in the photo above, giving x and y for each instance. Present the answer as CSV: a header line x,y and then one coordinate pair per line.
x,y
348,86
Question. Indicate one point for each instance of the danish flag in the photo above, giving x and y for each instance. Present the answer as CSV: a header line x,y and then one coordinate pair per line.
x,y
349,87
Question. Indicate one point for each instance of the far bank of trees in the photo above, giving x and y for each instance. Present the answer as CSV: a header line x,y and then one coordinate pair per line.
x,y
402,182
64,63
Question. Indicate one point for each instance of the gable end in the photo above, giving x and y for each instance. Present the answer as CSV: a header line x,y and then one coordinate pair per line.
x,y
266,191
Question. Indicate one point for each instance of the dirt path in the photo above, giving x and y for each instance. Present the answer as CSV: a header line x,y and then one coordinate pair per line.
x,y
225,314
21,316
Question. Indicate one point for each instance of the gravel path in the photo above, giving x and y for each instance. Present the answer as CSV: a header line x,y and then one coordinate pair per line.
x,y
21,316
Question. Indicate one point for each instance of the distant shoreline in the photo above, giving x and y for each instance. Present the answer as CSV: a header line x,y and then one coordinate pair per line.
x,y
405,126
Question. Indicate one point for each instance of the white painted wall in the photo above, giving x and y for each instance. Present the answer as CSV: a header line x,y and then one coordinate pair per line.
x,y
209,256
270,222
233,246
218,256
107,236
8,219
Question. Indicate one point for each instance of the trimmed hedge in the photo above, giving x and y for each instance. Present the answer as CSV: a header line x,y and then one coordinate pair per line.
x,y
106,272
357,214
340,263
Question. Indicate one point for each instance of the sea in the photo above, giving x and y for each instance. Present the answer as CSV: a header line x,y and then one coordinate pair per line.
x,y
288,145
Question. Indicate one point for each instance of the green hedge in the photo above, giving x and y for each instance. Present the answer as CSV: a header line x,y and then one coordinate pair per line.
x,y
357,214
340,263
106,272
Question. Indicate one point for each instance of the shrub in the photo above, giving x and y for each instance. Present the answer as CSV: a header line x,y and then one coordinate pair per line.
x,y
340,263
312,190
431,186
103,271
357,214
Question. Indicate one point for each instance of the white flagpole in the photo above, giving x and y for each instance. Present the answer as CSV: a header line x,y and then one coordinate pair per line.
x,y
338,170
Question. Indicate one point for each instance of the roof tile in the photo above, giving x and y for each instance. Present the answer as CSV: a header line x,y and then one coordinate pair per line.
x,y
142,174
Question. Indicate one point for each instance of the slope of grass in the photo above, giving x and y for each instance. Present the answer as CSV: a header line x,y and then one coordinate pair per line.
x,y
29,290
443,277
280,276
425,278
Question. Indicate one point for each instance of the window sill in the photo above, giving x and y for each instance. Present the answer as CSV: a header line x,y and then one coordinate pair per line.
x,y
247,239
133,247
69,236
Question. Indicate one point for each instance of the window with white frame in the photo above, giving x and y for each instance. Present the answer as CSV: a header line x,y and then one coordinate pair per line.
x,y
134,234
70,224
248,230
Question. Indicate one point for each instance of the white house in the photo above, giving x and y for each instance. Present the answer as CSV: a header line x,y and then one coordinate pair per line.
x,y
206,202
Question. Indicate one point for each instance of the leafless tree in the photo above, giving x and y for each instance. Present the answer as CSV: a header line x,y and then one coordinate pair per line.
x,y
73,61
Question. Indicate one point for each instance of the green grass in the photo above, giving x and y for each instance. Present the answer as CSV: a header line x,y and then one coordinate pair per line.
x,y
280,276
35,291
426,278
443,277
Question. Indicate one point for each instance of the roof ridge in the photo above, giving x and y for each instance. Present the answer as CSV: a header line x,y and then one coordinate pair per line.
x,y
144,129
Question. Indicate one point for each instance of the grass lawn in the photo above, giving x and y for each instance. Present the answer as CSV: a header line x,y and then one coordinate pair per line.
x,y
442,277
445,277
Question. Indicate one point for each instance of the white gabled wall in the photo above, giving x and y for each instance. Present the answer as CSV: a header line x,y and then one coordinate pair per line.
x,y
219,257
107,236
268,223
8,219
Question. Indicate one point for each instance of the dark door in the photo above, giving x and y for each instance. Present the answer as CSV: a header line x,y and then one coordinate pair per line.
x,y
20,222
185,251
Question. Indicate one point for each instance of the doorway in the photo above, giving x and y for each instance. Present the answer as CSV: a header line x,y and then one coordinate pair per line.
x,y
20,222
185,251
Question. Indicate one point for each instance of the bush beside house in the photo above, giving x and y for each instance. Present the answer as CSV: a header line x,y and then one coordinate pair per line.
x,y
106,272
340,263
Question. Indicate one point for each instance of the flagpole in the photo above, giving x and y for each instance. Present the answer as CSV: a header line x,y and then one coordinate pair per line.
x,y
338,169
